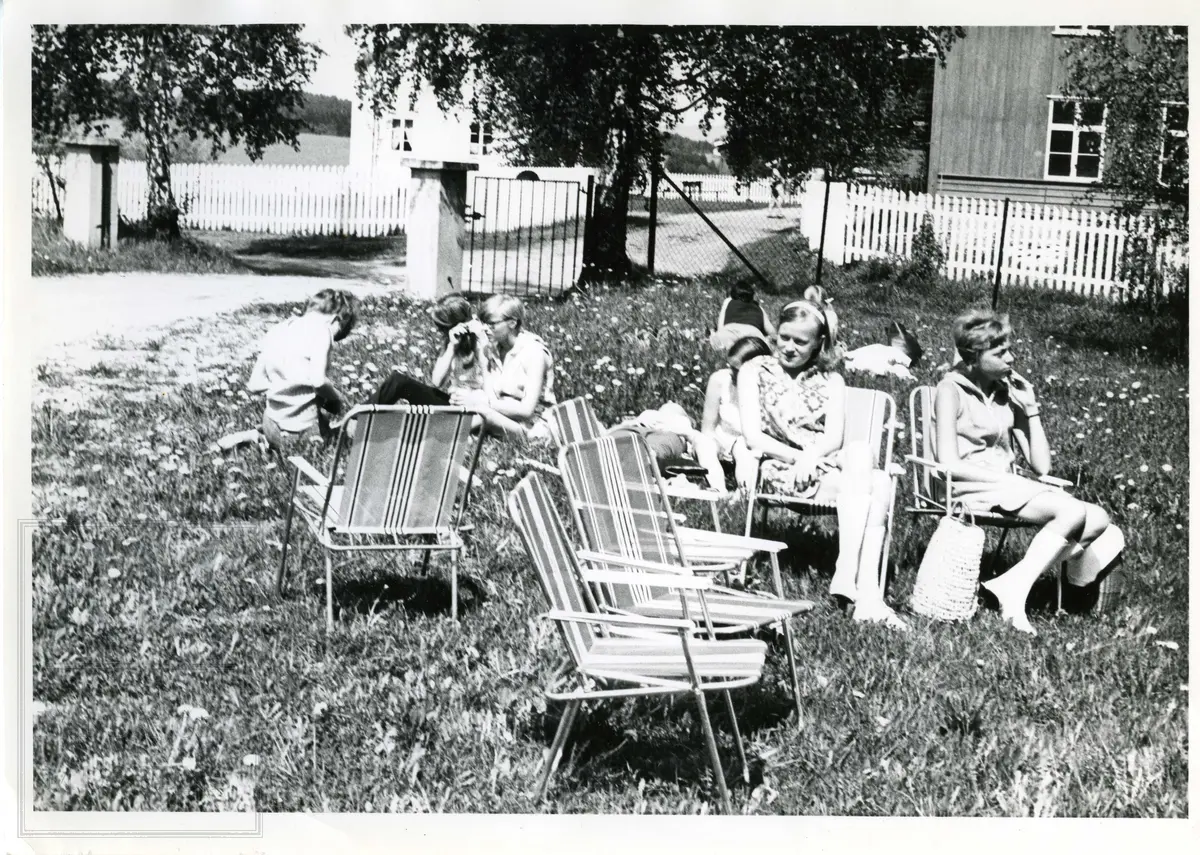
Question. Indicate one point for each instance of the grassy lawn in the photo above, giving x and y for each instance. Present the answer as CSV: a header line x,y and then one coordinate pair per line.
x,y
54,255
167,677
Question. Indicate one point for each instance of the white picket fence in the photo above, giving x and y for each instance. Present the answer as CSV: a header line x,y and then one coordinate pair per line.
x,y
282,199
725,188
1081,250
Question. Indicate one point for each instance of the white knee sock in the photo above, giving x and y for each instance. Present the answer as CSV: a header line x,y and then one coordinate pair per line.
x,y
1011,588
869,605
852,512
1087,563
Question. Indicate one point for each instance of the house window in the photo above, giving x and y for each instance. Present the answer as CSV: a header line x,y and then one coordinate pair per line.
x,y
402,134
1076,140
481,138
1084,30
1172,166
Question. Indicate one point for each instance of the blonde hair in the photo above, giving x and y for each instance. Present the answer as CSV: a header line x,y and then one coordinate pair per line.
x,y
814,307
500,306
977,330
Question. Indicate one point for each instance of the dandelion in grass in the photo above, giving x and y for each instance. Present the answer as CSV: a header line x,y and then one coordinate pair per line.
x,y
1144,468
1167,467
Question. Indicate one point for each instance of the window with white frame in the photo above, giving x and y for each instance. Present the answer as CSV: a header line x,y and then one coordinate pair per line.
x,y
402,134
481,138
1075,145
1172,165
1081,30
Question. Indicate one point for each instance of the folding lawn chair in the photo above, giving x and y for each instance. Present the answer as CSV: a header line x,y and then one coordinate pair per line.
x,y
405,484
625,519
870,418
655,657
574,420
933,485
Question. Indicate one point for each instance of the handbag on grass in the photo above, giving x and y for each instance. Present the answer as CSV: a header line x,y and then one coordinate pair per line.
x,y
949,573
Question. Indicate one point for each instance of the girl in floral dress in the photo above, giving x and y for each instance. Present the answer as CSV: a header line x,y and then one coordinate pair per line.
x,y
793,412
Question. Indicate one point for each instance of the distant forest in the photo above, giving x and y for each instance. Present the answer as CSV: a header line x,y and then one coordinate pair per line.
x,y
688,156
326,114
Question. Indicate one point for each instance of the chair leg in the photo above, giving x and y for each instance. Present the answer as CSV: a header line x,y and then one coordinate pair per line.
x,y
776,575
280,575
713,756
996,555
750,514
560,738
328,593
716,515
737,736
453,584
425,563
791,657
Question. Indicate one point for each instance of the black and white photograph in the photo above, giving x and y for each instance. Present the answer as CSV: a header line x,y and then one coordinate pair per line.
x,y
717,418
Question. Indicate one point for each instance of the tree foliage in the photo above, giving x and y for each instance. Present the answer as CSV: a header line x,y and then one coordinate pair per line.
x,y
835,98
605,96
1138,72
230,85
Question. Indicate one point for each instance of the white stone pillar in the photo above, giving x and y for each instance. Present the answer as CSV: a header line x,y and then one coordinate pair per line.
x,y
437,200
90,198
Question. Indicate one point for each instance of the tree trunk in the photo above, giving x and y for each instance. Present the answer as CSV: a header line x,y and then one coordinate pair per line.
x,y
162,213
607,258
52,179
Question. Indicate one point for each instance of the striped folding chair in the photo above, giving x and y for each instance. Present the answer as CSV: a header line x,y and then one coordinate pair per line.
x,y
404,486
619,656
625,519
933,485
574,420
870,418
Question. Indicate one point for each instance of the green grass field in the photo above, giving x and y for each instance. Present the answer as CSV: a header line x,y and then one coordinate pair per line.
x,y
168,677
315,150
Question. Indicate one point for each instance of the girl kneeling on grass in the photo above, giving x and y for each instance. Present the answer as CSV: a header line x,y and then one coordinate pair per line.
x,y
291,370
981,405
792,408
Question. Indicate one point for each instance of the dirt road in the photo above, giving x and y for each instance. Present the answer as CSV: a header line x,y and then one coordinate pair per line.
x,y
74,310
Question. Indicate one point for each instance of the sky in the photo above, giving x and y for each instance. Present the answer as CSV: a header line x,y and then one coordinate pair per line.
x,y
335,74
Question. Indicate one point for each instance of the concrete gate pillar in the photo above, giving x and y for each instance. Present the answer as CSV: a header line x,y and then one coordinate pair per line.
x,y
436,226
90,198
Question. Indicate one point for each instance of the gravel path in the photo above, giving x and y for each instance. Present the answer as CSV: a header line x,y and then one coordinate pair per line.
x,y
87,331
72,311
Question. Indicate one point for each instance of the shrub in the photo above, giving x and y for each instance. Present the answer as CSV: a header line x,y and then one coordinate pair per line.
x,y
927,258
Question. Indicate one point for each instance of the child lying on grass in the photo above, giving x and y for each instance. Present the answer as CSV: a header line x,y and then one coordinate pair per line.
x,y
669,433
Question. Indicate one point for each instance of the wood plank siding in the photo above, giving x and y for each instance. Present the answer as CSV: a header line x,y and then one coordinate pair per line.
x,y
990,105
1041,192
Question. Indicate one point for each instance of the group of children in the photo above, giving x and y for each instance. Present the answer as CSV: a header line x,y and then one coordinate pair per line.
x,y
774,413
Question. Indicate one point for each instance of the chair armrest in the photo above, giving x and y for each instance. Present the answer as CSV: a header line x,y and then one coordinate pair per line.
x,y
700,494
1055,481
651,580
619,620
924,461
651,566
703,537
308,470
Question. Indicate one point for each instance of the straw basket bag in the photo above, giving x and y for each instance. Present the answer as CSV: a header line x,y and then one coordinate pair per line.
x,y
949,573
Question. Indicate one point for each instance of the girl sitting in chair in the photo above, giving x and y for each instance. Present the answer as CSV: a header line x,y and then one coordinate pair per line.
x,y
792,409
981,406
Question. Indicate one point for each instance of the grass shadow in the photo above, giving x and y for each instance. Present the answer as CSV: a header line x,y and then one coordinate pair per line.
x,y
426,595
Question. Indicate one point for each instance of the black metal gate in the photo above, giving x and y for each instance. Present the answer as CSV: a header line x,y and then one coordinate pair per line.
x,y
526,235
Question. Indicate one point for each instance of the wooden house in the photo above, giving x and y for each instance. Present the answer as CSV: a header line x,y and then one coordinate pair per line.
x,y
999,126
